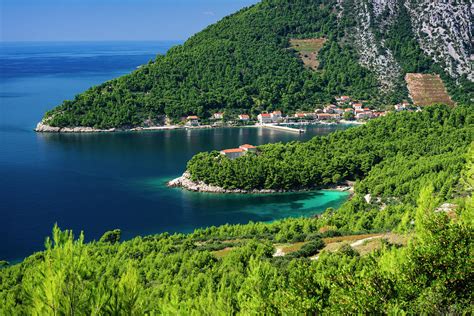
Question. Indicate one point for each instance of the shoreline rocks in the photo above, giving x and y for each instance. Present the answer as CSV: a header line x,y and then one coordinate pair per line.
x,y
186,183
44,128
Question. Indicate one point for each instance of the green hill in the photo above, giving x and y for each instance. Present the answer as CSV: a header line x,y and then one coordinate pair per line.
x,y
419,171
245,63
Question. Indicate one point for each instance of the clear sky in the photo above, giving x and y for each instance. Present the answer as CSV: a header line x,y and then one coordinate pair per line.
x,y
98,20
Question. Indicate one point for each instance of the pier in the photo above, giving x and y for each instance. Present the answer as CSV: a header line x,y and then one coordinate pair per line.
x,y
284,128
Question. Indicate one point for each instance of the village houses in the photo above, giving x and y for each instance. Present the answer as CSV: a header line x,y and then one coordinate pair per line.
x,y
328,116
357,106
402,106
329,109
338,110
343,99
361,114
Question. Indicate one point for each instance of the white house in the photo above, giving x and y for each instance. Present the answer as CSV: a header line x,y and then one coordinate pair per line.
x,y
363,115
264,118
402,106
357,106
218,116
248,148
233,153
276,116
329,109
238,152
244,117
192,120
343,98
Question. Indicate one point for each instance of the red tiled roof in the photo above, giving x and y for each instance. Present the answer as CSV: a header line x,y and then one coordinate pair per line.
x,y
232,150
265,115
244,116
193,117
247,146
276,112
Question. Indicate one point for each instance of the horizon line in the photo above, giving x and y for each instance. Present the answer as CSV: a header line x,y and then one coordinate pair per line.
x,y
77,41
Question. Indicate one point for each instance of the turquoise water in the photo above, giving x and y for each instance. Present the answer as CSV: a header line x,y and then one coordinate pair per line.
x,y
99,182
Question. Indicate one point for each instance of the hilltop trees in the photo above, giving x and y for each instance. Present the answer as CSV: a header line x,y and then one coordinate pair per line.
x,y
242,63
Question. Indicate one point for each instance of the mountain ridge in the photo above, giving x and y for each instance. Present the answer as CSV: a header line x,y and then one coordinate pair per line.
x,y
243,64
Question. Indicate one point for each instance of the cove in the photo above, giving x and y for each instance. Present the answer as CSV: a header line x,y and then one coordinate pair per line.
x,y
98,182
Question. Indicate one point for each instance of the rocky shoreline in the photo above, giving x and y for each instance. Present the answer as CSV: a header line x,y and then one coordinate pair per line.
x,y
44,128
41,127
186,183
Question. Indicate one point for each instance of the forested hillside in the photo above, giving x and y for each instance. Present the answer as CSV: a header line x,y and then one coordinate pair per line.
x,y
245,63
231,269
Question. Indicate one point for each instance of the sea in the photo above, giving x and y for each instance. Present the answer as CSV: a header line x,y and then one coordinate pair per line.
x,y
99,182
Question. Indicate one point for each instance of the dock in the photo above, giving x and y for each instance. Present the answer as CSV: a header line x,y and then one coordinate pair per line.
x,y
284,128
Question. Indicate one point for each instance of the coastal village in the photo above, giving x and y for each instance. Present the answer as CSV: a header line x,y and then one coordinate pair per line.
x,y
345,110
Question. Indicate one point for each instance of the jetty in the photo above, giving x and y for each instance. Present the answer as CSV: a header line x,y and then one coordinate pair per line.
x,y
284,128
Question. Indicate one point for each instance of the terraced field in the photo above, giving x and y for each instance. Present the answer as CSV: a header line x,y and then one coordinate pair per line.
x,y
308,50
427,89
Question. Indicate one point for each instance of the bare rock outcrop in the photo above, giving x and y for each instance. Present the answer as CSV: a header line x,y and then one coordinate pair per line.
x,y
185,182
45,128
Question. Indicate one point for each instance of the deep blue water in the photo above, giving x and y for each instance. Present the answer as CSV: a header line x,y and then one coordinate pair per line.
x,y
100,182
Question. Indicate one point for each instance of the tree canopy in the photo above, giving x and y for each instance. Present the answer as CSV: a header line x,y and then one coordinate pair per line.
x,y
244,64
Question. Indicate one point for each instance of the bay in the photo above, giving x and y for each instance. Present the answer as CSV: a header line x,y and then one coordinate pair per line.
x,y
98,182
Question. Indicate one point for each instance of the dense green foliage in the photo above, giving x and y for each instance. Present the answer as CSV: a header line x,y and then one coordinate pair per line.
x,y
166,274
391,159
241,63
231,269
433,140
244,64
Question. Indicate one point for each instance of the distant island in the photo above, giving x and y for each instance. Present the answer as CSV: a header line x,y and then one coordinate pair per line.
x,y
291,56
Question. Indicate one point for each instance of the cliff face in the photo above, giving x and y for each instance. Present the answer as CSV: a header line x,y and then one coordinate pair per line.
x,y
442,30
